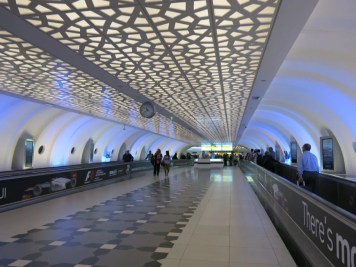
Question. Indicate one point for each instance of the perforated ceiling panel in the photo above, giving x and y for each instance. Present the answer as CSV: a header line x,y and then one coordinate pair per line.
x,y
196,59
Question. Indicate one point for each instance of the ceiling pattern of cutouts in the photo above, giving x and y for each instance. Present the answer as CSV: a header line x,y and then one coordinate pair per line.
x,y
30,72
197,59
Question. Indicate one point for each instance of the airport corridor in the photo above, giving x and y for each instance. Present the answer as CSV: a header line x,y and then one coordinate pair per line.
x,y
195,217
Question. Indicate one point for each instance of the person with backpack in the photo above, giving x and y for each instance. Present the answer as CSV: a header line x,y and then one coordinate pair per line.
x,y
166,163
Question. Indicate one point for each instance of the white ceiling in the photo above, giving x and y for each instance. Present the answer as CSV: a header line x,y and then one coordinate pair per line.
x,y
198,61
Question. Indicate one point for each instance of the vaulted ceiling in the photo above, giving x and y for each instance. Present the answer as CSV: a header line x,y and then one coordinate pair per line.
x,y
199,61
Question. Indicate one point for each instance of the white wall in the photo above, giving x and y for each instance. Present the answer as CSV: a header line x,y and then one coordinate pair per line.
x,y
315,88
58,131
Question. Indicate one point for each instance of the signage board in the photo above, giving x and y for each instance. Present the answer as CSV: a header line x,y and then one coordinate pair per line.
x,y
327,153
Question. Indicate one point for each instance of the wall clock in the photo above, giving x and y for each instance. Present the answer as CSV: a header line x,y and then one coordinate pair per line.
x,y
147,110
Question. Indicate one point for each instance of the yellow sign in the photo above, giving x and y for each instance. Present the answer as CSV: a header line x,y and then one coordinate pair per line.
x,y
217,147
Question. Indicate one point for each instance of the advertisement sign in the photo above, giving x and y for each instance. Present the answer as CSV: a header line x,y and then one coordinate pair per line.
x,y
21,188
327,152
293,152
28,152
205,147
216,147
333,233
226,147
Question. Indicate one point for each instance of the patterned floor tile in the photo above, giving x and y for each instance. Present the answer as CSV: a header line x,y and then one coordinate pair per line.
x,y
163,250
57,243
134,229
19,250
83,229
66,255
124,258
19,263
108,246
173,234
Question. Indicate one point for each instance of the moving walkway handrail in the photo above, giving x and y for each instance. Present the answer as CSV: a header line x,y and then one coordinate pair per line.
x,y
321,233
51,170
337,190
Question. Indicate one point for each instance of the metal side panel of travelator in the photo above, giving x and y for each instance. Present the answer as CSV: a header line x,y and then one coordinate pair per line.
x,y
25,189
316,232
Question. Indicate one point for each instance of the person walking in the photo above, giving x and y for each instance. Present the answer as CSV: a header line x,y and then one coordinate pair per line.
x,y
157,162
166,163
149,156
127,157
308,168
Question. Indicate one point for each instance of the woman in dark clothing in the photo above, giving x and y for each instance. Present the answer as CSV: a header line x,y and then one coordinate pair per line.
x,y
157,162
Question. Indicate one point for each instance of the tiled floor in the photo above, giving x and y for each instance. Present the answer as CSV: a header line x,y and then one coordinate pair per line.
x,y
193,218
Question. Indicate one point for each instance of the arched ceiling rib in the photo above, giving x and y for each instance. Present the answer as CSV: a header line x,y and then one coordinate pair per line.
x,y
313,92
196,59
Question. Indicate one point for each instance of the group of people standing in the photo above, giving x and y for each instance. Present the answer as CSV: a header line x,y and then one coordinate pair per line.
x,y
308,166
266,160
157,159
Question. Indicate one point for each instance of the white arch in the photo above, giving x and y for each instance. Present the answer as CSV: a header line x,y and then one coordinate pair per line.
x,y
58,131
54,153
315,88
174,147
130,143
20,117
112,139
89,128
142,142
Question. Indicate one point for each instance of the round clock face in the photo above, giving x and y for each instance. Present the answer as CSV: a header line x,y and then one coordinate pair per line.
x,y
147,110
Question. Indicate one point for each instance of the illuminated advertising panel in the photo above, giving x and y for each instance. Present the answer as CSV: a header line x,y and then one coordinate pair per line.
x,y
216,147
205,147
226,147
327,152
